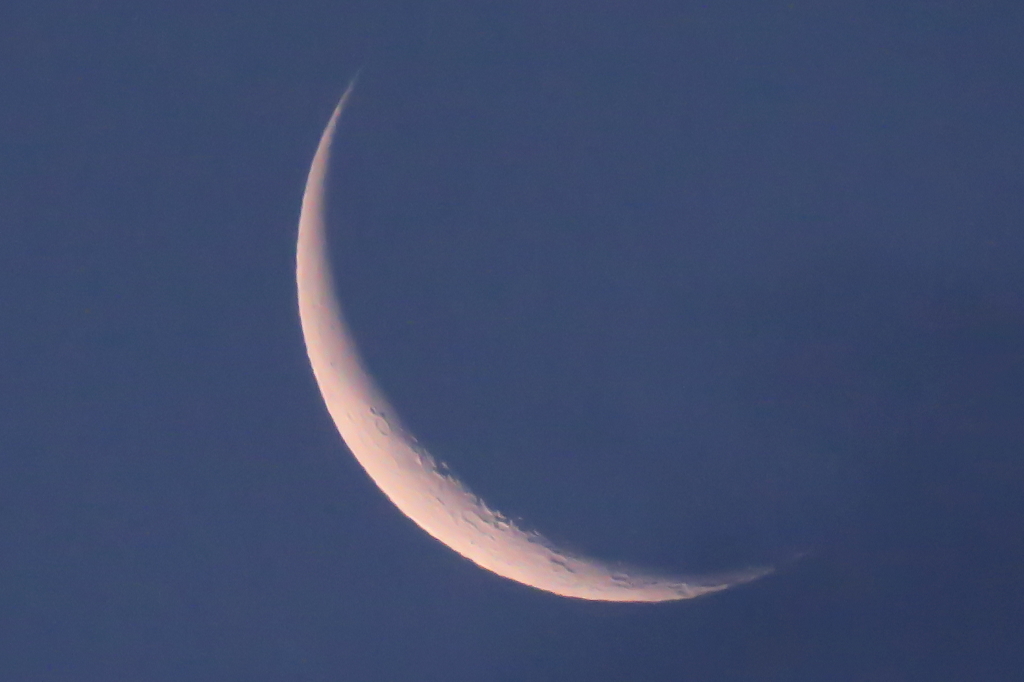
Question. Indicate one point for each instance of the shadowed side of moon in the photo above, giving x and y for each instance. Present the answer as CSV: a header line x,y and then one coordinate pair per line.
x,y
417,484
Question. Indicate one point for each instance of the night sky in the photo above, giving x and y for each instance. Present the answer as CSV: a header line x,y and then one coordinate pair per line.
x,y
686,285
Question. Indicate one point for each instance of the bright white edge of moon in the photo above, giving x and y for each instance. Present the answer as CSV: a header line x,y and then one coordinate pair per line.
x,y
421,488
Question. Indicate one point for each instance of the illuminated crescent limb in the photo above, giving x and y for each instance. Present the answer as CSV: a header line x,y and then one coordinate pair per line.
x,y
435,500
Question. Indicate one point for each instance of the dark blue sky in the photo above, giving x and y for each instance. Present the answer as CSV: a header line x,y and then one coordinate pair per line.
x,y
691,285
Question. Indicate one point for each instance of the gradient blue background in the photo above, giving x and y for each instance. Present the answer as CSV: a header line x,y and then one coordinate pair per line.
x,y
691,285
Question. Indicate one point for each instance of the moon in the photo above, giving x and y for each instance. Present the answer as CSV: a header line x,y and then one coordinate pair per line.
x,y
422,488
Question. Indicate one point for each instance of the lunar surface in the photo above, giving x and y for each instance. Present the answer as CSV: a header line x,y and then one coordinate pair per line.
x,y
415,482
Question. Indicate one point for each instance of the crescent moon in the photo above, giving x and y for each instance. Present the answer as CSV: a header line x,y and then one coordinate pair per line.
x,y
421,488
